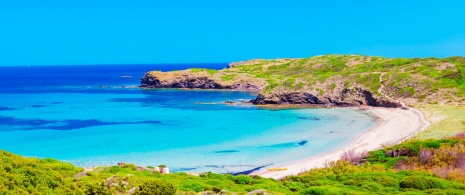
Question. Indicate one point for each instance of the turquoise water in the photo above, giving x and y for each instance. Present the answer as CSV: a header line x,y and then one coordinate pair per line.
x,y
187,130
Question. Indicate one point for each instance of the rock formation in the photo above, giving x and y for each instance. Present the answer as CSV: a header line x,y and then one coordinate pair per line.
x,y
347,97
196,80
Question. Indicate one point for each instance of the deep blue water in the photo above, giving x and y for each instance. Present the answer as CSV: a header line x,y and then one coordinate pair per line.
x,y
83,114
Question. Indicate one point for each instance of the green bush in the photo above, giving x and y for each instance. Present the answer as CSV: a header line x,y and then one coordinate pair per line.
x,y
130,166
97,189
192,186
389,182
416,182
313,191
243,179
156,187
371,186
334,190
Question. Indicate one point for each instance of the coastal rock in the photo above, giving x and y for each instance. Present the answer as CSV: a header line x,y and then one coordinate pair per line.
x,y
347,97
286,98
199,80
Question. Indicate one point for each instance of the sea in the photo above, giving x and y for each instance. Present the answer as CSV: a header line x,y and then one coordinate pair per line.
x,y
95,115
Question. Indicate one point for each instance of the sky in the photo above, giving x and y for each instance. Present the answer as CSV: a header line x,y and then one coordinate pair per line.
x,y
73,32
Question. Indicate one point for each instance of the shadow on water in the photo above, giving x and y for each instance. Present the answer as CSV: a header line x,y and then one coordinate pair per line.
x,y
249,171
226,151
286,145
34,124
6,108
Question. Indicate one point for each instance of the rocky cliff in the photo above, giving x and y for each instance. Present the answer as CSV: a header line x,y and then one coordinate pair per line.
x,y
331,80
197,80
347,97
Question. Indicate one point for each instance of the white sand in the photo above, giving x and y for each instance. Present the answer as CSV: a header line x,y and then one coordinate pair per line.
x,y
395,126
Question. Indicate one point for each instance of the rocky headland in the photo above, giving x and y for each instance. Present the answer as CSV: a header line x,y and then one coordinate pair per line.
x,y
330,80
191,79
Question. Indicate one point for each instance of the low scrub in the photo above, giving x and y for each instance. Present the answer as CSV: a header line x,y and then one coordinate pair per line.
x,y
417,167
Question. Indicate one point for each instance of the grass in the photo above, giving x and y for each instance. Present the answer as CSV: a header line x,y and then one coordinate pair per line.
x,y
228,77
209,71
445,120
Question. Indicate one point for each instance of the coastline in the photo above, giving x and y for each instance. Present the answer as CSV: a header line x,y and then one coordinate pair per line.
x,y
395,125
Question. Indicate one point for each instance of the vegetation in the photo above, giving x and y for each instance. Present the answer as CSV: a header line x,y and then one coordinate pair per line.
x,y
445,120
209,71
415,80
414,167
424,166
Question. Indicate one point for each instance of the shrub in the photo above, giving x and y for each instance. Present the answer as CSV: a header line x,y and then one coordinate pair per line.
x,y
354,157
371,186
416,182
313,191
324,191
193,186
156,187
96,189
243,179
129,166
389,182
426,156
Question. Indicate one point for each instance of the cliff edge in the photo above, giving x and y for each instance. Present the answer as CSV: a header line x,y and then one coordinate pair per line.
x,y
330,80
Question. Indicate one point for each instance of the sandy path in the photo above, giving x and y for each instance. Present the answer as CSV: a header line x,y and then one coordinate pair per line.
x,y
395,126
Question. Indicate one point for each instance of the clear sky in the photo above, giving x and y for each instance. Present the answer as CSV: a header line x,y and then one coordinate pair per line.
x,y
50,32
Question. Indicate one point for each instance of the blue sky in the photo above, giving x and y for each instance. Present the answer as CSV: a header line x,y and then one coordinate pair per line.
x,y
51,32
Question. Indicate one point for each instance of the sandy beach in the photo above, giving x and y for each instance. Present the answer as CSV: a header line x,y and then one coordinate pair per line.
x,y
395,126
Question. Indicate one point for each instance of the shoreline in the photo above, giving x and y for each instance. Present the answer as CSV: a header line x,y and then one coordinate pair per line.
x,y
395,125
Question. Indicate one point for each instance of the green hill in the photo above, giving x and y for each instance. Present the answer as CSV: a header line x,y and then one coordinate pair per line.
x,y
341,80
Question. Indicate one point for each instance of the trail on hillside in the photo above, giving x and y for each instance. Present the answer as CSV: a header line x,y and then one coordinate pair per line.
x,y
380,90
426,123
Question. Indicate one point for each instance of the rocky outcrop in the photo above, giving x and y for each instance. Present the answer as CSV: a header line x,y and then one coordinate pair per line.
x,y
192,82
347,97
186,79
286,98
339,96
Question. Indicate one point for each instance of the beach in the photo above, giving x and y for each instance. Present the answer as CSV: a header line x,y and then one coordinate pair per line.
x,y
395,125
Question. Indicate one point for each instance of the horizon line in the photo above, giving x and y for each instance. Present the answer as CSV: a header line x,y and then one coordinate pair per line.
x,y
174,63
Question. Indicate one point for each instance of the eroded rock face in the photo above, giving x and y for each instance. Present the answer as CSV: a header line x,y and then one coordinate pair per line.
x,y
347,97
286,98
191,81
152,81
355,96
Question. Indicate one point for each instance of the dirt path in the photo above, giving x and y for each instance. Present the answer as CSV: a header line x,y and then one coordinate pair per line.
x,y
380,90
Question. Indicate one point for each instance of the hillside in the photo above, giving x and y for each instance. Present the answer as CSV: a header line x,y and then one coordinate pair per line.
x,y
331,80
416,167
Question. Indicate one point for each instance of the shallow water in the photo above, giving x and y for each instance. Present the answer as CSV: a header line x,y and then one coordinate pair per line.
x,y
63,113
